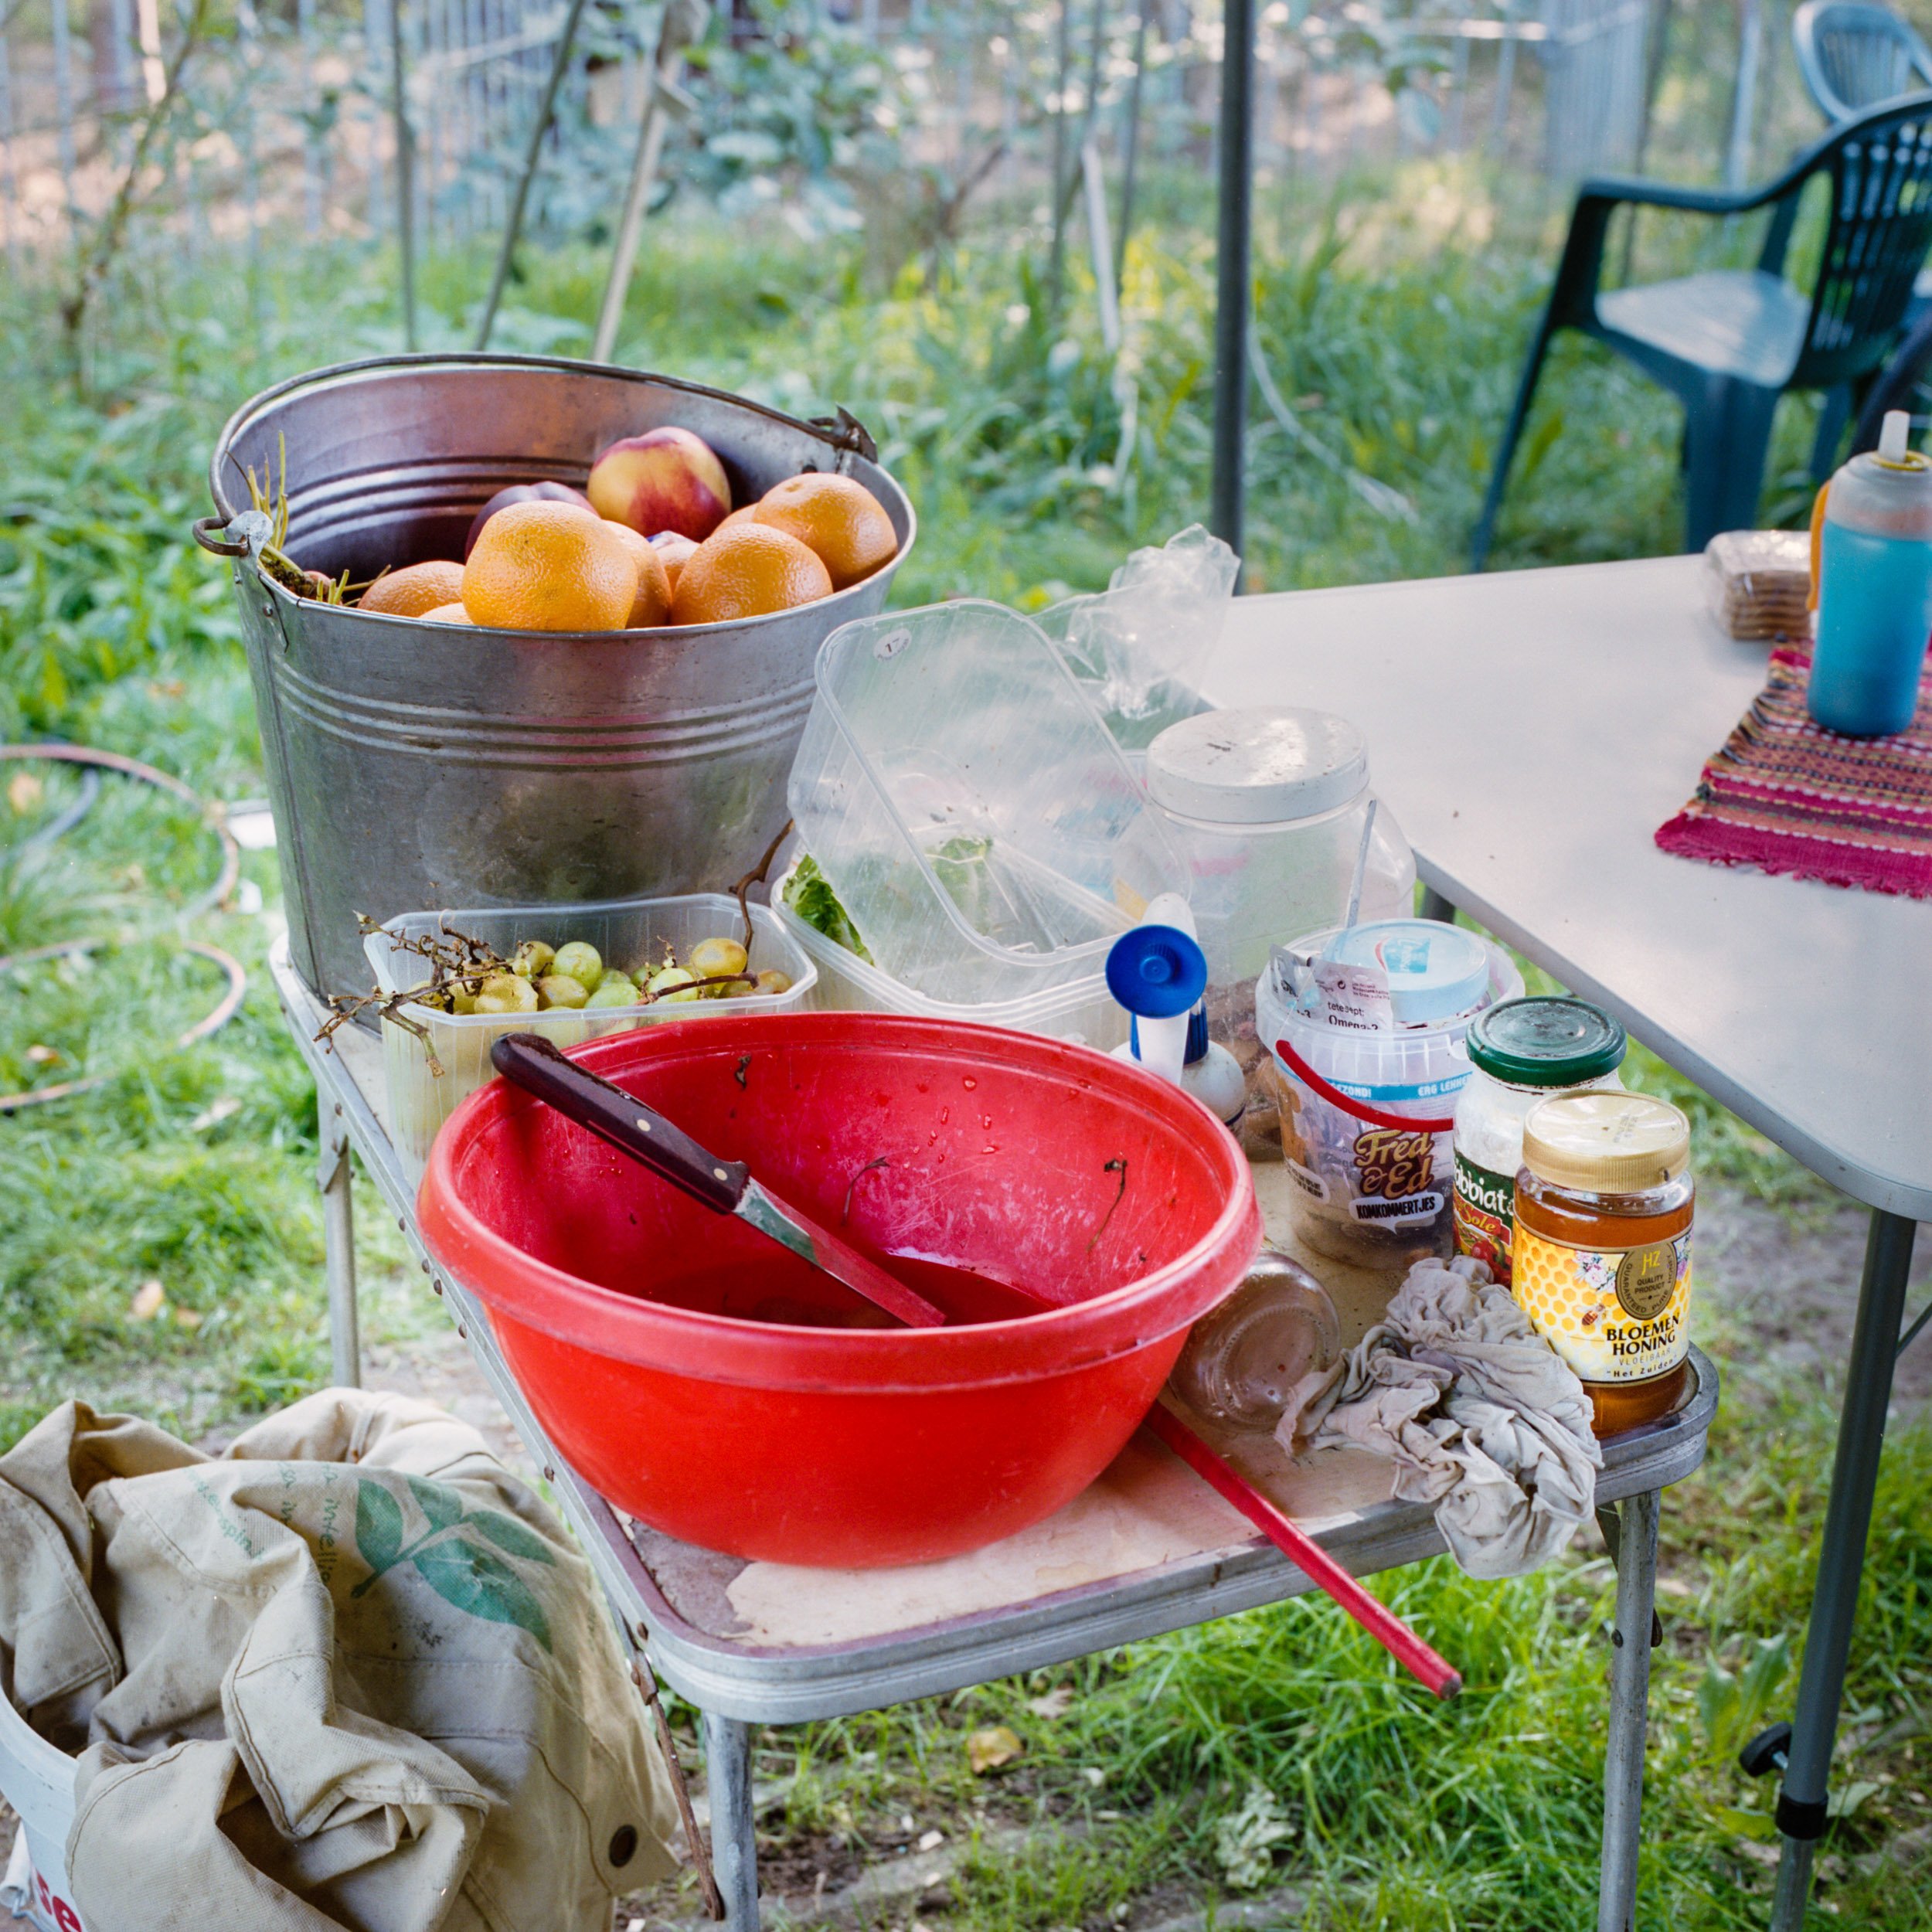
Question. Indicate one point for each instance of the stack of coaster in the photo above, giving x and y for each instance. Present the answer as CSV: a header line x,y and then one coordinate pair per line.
x,y
1760,581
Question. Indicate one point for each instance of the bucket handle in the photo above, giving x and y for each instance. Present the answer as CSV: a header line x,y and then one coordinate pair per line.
x,y
845,432
207,534
1360,1108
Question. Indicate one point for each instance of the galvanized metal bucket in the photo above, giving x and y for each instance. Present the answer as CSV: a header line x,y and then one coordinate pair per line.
x,y
412,765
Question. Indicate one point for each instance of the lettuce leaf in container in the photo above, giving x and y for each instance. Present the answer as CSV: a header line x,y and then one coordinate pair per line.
x,y
808,893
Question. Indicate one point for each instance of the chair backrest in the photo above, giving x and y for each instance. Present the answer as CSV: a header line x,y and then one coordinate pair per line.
x,y
1875,239
1853,55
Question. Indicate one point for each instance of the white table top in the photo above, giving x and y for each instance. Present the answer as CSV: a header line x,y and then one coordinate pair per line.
x,y
1531,731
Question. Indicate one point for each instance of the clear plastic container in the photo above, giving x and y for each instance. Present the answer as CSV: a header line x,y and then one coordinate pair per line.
x,y
1267,806
1372,1159
979,824
1083,1011
624,931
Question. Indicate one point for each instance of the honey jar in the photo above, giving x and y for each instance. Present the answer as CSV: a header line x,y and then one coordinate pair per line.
x,y
1601,1256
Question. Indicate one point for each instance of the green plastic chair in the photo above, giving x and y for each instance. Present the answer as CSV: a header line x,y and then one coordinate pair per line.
x,y
1852,55
1729,343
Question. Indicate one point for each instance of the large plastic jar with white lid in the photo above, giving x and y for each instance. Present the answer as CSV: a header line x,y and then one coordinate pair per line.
x,y
1367,1117
1267,806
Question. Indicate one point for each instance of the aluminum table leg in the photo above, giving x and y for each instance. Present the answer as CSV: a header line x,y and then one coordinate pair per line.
x,y
1847,1517
1631,1638
734,1844
336,1175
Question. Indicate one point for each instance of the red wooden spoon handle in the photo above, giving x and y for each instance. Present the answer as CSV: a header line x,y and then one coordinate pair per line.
x,y
1308,1555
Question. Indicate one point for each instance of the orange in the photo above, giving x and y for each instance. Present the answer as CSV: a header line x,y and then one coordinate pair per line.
x,y
550,567
746,570
745,514
652,605
837,519
446,614
414,591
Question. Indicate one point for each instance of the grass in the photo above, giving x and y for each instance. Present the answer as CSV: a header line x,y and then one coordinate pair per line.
x,y
1391,318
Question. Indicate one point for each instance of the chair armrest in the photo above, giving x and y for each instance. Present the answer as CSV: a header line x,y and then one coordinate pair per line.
x,y
1617,191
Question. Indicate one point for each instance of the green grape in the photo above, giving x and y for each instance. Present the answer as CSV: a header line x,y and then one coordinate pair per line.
x,y
561,990
772,981
675,983
531,960
579,962
516,993
614,992
716,958
461,1000
616,976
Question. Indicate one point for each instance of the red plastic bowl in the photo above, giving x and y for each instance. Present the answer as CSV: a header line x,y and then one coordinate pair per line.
x,y
1083,1180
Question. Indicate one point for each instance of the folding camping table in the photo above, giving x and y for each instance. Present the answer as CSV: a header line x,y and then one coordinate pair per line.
x,y
1149,1548
1531,732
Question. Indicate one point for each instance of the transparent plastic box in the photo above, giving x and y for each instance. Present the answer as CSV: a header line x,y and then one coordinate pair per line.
x,y
624,931
1082,1011
970,809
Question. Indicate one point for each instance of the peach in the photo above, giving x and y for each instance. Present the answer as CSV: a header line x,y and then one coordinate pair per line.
x,y
522,493
674,547
665,479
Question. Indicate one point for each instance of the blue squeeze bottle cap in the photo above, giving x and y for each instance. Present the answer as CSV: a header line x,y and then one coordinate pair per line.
x,y
1156,972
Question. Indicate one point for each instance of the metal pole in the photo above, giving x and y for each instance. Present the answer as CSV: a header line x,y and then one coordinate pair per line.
x,y
513,228
1505,75
1064,59
336,1175
1750,47
1848,1519
1098,242
405,171
1233,296
1629,1710
734,1842
12,175
64,100
1131,161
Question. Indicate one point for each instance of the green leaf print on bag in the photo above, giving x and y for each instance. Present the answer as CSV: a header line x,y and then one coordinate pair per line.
x,y
461,1571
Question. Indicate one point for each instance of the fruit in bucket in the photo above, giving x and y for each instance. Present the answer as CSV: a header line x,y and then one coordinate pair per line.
x,y
747,571
674,551
446,614
416,590
837,519
652,605
550,567
546,492
666,479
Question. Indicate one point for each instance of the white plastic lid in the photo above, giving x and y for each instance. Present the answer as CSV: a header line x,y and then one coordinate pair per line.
x,y
1257,766
1435,970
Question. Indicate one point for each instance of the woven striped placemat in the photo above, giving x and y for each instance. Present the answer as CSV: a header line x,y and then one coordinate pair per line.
x,y
1786,796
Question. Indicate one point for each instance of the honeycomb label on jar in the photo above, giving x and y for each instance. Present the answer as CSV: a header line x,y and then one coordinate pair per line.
x,y
1614,1315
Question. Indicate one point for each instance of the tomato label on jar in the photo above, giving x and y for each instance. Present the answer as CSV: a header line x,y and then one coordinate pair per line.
x,y
1485,1209
1615,1315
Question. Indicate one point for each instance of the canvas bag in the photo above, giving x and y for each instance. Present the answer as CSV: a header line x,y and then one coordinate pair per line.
x,y
351,1673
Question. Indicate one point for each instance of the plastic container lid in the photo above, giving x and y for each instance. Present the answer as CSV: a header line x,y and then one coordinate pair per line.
x,y
1604,1143
1257,767
1546,1043
1435,970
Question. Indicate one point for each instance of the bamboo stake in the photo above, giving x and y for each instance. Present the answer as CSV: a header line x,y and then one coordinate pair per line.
x,y
533,156
1131,163
681,24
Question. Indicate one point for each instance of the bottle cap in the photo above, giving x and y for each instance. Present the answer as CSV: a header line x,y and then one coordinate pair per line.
x,y
1606,1143
1546,1043
1257,767
1156,972
1435,971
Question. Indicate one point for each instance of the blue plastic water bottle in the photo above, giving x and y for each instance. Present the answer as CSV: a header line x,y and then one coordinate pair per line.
x,y
1875,589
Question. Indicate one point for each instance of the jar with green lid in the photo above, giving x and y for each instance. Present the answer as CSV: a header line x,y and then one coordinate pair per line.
x,y
1520,1052
1602,1254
